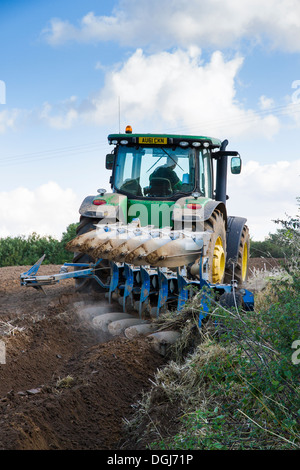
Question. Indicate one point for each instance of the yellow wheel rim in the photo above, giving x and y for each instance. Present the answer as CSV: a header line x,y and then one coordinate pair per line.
x,y
218,267
244,262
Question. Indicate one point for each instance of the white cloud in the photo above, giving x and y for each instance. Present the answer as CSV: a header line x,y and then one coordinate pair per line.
x,y
265,103
168,92
8,119
179,92
165,23
46,210
174,91
263,193
64,116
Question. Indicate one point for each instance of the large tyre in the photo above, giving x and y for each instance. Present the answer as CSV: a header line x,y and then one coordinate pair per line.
x,y
84,284
242,261
216,252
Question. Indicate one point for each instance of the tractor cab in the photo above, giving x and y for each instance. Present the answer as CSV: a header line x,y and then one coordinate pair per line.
x,y
161,166
148,166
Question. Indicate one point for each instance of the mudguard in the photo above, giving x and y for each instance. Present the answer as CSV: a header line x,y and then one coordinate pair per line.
x,y
211,206
182,214
115,208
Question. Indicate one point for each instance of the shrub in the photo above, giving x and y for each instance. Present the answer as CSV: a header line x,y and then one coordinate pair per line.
x,y
21,250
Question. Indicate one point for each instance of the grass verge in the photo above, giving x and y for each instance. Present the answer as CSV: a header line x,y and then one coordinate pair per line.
x,y
232,385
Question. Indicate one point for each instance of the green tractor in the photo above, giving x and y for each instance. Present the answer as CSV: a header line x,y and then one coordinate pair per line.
x,y
164,221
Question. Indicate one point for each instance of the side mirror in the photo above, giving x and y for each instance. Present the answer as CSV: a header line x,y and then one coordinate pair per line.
x,y
109,161
236,165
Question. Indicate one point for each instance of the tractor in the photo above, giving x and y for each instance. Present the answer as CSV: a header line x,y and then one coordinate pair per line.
x,y
164,226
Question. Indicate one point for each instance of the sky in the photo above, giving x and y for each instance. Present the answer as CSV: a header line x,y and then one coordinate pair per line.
x,y
73,72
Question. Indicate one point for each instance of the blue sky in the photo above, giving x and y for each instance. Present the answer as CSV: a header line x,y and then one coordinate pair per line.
x,y
225,68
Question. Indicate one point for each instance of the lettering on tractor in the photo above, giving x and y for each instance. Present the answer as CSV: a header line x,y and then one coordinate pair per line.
x,y
163,229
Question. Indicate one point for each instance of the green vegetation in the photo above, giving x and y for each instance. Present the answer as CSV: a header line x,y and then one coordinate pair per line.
x,y
23,251
270,247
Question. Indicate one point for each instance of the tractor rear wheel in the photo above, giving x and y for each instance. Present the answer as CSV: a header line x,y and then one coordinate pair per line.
x,y
216,251
242,261
85,284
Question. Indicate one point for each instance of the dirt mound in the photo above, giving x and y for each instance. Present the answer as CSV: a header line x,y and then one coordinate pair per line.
x,y
63,385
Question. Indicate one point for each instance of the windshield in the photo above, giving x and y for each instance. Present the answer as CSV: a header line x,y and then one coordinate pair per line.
x,y
155,171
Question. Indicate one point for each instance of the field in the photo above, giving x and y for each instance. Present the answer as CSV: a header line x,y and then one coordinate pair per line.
x,y
65,385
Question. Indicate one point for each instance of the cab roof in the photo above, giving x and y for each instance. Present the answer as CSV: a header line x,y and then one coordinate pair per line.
x,y
163,139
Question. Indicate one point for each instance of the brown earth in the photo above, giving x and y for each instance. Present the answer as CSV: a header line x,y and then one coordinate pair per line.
x,y
64,385
50,343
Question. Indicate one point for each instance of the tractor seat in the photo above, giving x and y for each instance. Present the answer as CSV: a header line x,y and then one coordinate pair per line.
x,y
159,187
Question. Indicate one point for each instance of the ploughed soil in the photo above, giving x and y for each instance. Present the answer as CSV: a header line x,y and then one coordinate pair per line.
x,y
64,385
